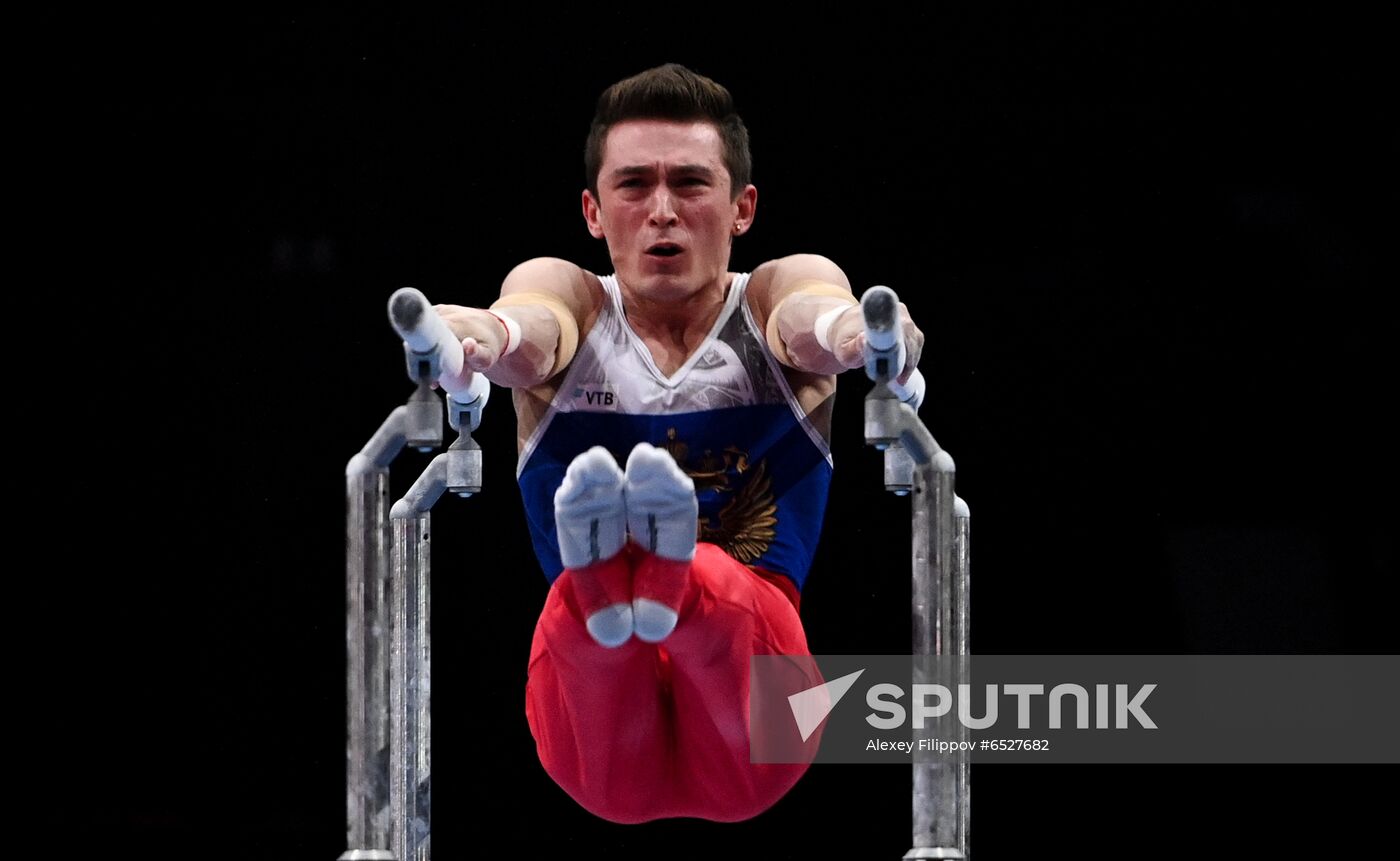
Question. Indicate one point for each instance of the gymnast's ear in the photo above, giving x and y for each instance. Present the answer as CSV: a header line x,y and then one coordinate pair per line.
x,y
745,204
592,214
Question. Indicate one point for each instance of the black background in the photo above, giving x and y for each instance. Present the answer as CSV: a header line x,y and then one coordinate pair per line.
x,y
1146,248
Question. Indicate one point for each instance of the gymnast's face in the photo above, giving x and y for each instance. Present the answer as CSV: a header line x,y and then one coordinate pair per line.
x,y
665,208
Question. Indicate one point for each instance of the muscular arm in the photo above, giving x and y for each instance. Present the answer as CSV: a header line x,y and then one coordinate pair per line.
x,y
793,295
550,300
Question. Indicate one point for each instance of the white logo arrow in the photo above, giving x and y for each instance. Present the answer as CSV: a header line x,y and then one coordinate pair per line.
x,y
810,707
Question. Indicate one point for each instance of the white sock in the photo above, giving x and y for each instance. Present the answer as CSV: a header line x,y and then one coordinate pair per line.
x,y
652,621
589,512
611,626
661,506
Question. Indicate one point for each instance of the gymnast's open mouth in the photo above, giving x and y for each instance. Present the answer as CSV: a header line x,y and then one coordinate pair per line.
x,y
665,249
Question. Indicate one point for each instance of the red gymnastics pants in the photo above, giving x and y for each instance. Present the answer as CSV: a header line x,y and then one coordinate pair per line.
x,y
651,731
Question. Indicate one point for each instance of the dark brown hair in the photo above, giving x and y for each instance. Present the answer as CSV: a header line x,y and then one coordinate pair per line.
x,y
671,92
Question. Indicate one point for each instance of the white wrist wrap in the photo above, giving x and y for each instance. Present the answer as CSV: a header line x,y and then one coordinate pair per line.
x,y
822,328
512,332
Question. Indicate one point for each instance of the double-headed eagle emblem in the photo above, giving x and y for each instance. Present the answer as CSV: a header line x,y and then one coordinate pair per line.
x,y
744,527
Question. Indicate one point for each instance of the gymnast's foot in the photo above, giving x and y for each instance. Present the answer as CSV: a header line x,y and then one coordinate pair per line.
x,y
590,516
662,513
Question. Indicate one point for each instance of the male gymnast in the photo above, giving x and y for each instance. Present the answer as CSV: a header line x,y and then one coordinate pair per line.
x,y
674,419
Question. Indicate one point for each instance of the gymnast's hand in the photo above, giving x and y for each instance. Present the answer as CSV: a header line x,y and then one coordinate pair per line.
x,y
847,339
482,334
